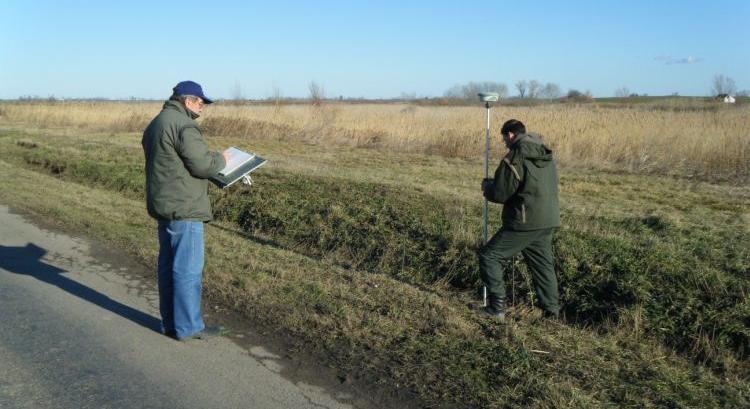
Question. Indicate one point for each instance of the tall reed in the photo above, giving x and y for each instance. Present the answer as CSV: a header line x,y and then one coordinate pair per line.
x,y
711,144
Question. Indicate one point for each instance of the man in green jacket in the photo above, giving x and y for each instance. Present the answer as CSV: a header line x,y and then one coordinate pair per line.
x,y
526,184
178,164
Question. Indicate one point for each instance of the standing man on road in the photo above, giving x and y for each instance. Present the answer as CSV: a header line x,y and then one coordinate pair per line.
x,y
178,164
526,184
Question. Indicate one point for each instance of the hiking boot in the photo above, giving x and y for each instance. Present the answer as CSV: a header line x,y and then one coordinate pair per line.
x,y
495,308
551,316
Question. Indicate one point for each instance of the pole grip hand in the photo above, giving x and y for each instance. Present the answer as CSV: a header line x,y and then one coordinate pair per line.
x,y
487,185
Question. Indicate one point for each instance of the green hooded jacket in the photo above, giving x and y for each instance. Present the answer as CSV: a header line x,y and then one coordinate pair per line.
x,y
178,164
526,184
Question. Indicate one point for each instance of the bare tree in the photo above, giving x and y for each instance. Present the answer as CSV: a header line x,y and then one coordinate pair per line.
x,y
408,96
522,86
622,92
501,89
486,86
550,90
470,90
453,92
236,92
575,94
723,85
534,88
276,94
317,94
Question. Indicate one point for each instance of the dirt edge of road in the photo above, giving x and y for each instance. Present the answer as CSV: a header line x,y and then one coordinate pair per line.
x,y
294,363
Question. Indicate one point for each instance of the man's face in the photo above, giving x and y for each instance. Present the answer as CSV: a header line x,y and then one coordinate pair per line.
x,y
508,138
195,104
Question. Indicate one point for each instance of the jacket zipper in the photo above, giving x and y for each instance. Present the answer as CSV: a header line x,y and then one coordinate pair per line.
x,y
523,213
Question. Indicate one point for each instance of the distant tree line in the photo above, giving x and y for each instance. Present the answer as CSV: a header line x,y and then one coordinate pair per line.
x,y
470,90
535,89
525,89
576,94
723,85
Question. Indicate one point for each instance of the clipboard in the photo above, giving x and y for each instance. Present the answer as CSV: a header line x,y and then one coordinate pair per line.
x,y
225,180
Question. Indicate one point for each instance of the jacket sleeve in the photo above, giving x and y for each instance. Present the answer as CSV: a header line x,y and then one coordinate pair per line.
x,y
198,160
508,177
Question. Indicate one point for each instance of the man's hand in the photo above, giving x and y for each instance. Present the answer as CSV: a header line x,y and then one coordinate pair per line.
x,y
487,184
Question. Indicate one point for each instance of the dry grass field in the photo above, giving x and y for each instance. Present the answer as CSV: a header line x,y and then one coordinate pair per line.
x,y
707,142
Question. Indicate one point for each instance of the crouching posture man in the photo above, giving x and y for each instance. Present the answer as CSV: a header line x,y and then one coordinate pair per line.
x,y
526,184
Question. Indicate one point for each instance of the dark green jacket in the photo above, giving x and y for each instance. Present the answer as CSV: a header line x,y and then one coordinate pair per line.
x,y
526,184
178,164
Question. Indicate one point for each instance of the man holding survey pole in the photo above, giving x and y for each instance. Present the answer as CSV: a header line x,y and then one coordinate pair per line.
x,y
178,166
526,184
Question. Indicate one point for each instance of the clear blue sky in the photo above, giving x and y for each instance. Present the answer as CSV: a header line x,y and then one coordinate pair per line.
x,y
372,49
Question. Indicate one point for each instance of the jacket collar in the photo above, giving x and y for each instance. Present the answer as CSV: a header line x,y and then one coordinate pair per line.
x,y
518,138
528,137
177,106
515,141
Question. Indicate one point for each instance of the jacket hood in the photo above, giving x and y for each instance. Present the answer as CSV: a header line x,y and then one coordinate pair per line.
x,y
532,148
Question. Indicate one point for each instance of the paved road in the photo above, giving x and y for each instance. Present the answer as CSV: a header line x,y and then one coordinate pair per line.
x,y
76,332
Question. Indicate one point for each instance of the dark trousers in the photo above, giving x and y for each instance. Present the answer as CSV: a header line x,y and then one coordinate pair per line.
x,y
536,247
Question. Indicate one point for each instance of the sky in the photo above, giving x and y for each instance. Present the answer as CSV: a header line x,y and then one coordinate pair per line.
x,y
368,49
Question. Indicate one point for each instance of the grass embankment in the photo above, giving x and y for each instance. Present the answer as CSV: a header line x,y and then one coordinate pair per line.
x,y
374,269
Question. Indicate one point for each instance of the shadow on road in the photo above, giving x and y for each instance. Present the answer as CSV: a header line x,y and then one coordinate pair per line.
x,y
27,261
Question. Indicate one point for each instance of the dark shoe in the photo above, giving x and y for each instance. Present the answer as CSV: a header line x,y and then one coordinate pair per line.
x,y
498,315
495,309
208,332
197,335
215,331
171,333
551,316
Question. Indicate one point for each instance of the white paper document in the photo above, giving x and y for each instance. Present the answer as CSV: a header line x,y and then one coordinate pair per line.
x,y
235,159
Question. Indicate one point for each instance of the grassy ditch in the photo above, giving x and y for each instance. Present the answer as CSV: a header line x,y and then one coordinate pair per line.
x,y
374,274
687,282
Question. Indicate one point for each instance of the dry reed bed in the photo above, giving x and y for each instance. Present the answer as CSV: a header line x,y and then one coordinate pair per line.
x,y
710,144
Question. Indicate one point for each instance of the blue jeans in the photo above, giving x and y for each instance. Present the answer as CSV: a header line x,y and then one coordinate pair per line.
x,y
180,268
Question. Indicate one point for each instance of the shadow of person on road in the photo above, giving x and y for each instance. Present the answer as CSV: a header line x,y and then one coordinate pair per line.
x,y
27,261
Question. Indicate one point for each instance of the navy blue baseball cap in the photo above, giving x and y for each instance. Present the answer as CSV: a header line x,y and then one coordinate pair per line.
x,y
191,88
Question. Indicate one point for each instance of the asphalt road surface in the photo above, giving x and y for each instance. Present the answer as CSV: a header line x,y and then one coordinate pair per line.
x,y
77,331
